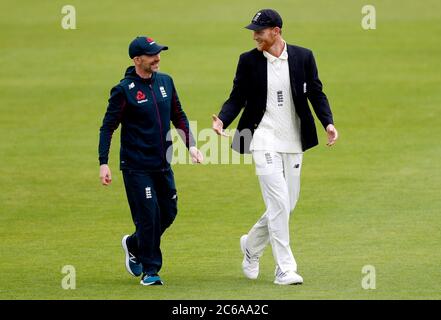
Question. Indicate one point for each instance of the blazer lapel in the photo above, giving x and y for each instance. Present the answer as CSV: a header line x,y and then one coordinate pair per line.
x,y
262,73
291,63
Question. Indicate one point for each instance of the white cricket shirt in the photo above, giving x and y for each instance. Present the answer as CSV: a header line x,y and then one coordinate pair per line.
x,y
279,129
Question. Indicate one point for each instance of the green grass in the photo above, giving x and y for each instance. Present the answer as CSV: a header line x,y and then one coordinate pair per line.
x,y
373,199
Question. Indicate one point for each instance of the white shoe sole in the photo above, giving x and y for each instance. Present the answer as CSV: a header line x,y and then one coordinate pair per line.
x,y
295,283
126,251
152,284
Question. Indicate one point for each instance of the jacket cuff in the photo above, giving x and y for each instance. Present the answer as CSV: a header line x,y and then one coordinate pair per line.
x,y
103,160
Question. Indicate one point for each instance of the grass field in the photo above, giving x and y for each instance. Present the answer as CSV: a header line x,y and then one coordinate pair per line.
x,y
373,199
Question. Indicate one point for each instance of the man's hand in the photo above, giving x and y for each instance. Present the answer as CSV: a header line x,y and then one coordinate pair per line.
x,y
196,155
218,126
332,134
105,175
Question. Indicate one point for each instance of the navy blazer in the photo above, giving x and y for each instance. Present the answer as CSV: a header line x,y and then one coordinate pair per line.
x,y
250,93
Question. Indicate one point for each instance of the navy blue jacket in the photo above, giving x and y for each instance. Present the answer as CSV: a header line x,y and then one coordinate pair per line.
x,y
144,107
250,94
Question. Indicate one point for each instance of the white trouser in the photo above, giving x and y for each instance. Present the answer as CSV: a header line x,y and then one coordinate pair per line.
x,y
279,178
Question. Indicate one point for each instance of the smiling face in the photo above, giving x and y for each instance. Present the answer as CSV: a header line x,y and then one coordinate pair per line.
x,y
148,63
266,38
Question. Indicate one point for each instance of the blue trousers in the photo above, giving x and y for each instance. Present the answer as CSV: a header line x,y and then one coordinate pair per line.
x,y
153,200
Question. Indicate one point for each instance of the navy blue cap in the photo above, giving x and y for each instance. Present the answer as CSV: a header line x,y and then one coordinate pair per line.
x,y
144,45
265,18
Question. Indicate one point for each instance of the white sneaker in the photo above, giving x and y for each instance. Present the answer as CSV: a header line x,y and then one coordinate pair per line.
x,y
250,264
286,278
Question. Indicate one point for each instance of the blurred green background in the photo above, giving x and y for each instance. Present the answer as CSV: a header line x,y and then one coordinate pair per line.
x,y
373,199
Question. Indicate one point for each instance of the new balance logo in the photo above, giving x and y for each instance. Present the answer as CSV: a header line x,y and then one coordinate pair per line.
x,y
297,166
148,193
131,86
132,258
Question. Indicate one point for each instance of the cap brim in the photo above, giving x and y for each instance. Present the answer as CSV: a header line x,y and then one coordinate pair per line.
x,y
255,27
157,50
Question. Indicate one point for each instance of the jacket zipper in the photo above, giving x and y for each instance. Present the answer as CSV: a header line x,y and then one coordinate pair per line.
x,y
159,121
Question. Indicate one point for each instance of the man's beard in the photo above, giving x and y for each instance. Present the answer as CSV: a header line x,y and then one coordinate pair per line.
x,y
151,69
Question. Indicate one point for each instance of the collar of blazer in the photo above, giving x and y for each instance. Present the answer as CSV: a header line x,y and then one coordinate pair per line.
x,y
292,59
262,70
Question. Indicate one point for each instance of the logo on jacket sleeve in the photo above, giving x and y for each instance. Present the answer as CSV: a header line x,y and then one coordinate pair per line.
x,y
164,94
148,192
140,96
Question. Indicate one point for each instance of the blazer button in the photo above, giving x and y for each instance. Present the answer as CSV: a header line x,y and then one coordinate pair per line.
x,y
255,125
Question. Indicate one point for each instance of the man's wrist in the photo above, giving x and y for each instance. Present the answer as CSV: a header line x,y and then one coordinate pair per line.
x,y
103,160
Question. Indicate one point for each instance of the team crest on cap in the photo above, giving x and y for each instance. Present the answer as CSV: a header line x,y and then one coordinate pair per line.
x,y
150,41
